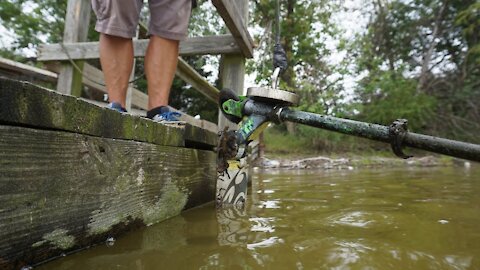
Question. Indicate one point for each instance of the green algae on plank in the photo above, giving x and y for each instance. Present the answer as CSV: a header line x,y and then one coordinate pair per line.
x,y
170,203
59,238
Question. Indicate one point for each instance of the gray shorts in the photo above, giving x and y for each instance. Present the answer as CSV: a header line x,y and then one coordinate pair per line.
x,y
168,18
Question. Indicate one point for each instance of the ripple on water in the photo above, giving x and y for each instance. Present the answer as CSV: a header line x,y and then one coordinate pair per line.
x,y
262,224
347,252
268,204
366,254
369,201
359,219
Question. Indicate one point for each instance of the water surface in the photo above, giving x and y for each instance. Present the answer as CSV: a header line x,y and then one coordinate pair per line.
x,y
410,218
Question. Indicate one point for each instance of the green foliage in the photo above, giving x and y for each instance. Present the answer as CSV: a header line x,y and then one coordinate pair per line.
x,y
419,60
314,141
32,21
305,28
279,142
469,20
388,96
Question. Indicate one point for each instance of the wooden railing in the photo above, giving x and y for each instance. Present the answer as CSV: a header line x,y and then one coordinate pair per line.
x,y
233,47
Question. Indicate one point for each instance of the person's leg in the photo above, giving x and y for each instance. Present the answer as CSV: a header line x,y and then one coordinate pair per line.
x,y
116,57
160,66
117,22
168,25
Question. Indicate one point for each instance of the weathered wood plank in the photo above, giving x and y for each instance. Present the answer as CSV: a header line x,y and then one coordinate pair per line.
x,y
235,20
63,191
25,104
94,76
76,29
26,71
224,44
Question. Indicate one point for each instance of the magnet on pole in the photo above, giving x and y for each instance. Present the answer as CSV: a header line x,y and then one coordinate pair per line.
x,y
273,96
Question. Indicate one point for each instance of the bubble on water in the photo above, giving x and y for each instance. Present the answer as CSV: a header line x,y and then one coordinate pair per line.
x,y
110,241
443,221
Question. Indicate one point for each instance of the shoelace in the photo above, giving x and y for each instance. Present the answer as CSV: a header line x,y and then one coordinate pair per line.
x,y
169,116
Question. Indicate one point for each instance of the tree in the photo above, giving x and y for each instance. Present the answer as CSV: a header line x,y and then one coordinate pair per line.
x,y
306,27
428,45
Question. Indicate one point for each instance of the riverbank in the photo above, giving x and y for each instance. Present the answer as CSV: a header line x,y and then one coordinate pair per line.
x,y
352,162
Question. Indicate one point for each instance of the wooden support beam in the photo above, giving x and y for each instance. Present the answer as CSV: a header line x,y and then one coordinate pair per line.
x,y
232,76
190,76
131,86
22,71
235,20
76,30
224,44
93,78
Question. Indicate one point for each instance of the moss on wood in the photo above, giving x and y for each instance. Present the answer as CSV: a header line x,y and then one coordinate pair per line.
x,y
67,191
22,103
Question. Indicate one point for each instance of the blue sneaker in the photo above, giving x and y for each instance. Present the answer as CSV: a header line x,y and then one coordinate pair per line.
x,y
165,116
116,107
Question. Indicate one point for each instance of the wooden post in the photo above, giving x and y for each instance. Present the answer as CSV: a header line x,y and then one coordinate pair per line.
x,y
232,69
232,185
76,30
128,98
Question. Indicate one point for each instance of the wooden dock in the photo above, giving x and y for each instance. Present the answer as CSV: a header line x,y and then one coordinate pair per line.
x,y
73,173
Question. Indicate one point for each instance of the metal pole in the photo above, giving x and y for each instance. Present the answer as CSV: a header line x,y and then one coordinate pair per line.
x,y
366,130
277,22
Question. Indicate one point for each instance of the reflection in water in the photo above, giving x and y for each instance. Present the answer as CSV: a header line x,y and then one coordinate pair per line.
x,y
405,219
262,224
265,243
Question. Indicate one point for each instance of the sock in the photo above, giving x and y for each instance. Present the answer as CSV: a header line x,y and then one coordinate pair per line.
x,y
158,110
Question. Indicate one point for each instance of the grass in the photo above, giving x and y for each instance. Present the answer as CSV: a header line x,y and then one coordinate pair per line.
x,y
309,142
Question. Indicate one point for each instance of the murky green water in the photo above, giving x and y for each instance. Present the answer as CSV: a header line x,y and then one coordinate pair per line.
x,y
426,218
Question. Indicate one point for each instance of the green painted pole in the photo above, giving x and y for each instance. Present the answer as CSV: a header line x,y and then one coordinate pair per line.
x,y
366,130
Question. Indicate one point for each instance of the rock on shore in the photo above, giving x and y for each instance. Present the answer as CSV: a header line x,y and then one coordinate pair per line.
x,y
322,162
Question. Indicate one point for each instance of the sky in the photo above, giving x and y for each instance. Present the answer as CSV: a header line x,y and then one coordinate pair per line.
x,y
6,37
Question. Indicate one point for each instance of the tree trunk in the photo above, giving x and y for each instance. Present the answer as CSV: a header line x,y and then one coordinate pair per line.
x,y
427,56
